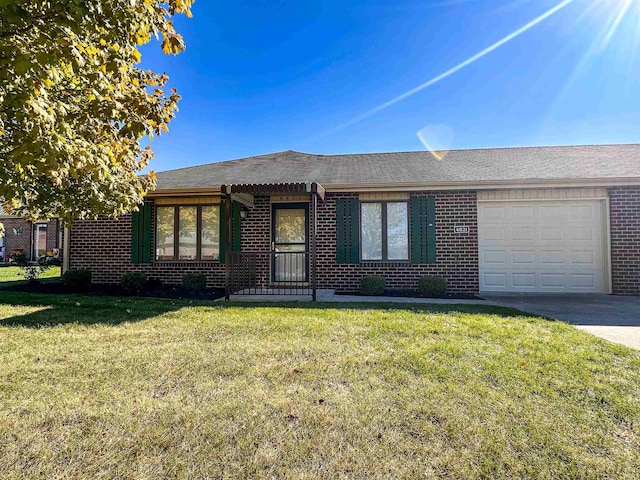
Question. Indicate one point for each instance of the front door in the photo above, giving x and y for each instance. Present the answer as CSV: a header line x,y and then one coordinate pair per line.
x,y
289,246
39,241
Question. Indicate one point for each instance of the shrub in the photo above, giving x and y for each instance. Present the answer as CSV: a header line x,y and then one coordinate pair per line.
x,y
30,271
54,261
153,284
49,261
194,282
431,286
76,280
373,285
18,258
133,282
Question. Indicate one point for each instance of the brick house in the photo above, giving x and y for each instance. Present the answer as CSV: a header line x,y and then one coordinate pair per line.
x,y
33,238
539,219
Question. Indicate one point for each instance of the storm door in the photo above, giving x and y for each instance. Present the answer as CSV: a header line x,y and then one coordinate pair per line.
x,y
290,242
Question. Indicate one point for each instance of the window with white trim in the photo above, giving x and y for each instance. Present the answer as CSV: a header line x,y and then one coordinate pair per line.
x,y
196,228
384,231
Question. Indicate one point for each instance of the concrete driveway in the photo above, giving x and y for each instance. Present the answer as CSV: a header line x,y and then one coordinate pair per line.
x,y
613,318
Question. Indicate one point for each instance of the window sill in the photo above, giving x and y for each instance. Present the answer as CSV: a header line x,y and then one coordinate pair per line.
x,y
383,263
185,262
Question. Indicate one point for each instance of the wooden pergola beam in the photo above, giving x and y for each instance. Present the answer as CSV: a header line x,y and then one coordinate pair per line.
x,y
245,199
275,188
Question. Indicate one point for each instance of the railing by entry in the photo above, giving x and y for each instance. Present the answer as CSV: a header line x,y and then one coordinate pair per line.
x,y
271,273
252,270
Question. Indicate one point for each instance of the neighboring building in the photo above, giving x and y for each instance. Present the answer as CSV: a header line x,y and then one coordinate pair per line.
x,y
36,239
540,219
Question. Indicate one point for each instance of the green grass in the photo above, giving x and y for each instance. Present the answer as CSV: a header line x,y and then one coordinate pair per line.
x,y
139,388
14,276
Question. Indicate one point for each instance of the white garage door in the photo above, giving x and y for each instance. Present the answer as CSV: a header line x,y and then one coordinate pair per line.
x,y
542,246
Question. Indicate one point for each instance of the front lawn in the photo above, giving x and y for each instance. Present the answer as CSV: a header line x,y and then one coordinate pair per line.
x,y
140,388
14,276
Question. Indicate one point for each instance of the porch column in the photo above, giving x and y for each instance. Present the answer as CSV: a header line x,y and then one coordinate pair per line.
x,y
66,246
314,228
227,242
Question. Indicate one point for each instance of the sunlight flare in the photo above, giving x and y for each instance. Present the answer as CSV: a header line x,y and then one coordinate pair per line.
x,y
449,72
624,7
437,139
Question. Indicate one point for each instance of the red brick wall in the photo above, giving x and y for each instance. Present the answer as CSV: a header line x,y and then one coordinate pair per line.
x,y
255,236
103,246
14,242
53,235
624,205
24,241
456,254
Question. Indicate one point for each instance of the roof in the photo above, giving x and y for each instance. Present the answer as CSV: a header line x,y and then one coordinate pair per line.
x,y
496,166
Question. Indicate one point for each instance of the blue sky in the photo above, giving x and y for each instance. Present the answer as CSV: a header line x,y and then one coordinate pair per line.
x,y
261,76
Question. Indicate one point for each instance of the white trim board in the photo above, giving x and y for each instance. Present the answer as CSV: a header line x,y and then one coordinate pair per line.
x,y
542,194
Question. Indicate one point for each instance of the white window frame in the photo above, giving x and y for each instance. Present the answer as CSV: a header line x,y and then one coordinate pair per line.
x,y
384,225
35,239
176,236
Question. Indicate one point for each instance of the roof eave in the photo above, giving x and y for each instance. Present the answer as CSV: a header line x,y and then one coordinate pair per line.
x,y
485,185
412,186
171,192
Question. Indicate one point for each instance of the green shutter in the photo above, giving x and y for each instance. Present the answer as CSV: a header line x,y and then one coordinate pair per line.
x,y
347,230
135,237
235,229
222,238
423,230
141,235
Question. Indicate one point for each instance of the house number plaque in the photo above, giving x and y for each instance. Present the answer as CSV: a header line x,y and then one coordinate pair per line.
x,y
461,229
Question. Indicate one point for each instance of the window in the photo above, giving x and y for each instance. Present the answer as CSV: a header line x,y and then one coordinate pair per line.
x,y
209,232
188,232
371,231
164,236
384,231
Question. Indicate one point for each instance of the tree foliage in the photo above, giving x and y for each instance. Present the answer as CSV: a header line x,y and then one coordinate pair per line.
x,y
75,104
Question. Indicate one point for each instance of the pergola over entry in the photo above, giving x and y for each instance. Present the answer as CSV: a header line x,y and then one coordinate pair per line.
x,y
244,193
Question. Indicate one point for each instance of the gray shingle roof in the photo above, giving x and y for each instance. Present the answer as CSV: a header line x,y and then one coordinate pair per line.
x,y
498,165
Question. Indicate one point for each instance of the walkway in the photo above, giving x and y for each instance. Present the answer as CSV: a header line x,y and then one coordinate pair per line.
x,y
327,295
611,317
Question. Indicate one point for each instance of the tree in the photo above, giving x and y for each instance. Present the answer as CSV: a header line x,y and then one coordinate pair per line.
x,y
74,104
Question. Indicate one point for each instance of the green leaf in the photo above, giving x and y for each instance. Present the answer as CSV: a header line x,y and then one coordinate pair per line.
x,y
22,65
74,106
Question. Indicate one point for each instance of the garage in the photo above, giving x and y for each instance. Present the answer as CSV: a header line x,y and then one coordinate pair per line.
x,y
529,243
